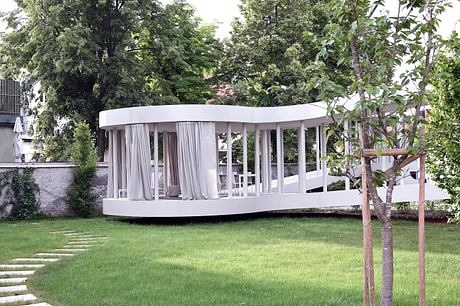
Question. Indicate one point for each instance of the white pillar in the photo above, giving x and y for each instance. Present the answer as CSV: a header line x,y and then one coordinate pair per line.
x,y
155,161
323,156
282,161
123,160
264,161
269,161
279,172
229,161
257,159
116,162
346,129
318,164
245,160
301,156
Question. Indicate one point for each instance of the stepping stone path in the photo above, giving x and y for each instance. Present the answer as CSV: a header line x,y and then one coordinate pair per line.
x,y
13,276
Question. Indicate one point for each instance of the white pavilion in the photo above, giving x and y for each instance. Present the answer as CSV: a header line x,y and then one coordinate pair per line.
x,y
191,184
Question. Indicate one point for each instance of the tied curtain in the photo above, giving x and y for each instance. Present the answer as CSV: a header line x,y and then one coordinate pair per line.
x,y
196,150
117,163
171,170
138,162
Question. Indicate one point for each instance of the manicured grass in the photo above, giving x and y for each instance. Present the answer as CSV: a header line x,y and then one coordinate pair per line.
x,y
300,261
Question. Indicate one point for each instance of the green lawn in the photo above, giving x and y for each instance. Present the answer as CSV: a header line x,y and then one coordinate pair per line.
x,y
299,261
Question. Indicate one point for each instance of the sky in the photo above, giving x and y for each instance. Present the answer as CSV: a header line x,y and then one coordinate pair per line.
x,y
223,12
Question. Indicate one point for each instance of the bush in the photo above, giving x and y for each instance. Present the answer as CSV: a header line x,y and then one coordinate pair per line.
x,y
444,128
20,194
84,156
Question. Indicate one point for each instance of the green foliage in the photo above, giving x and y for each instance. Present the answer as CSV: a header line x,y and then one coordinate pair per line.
x,y
20,194
444,128
80,196
268,55
93,55
181,55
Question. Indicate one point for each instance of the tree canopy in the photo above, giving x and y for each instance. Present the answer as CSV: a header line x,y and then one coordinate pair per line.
x,y
444,128
271,47
92,55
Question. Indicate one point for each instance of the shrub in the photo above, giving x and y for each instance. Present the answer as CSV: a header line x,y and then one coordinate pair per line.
x,y
84,156
20,194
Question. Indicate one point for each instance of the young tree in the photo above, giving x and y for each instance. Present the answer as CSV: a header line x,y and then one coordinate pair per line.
x,y
444,127
392,54
84,156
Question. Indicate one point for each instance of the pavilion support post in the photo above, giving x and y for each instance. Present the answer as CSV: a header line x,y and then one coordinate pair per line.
x,y
301,156
115,144
229,162
421,228
257,159
282,161
264,161
318,164
245,160
323,156
155,162
123,160
279,171
269,161
346,129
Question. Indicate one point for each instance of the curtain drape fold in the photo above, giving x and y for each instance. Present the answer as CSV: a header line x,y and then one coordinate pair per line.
x,y
138,162
196,150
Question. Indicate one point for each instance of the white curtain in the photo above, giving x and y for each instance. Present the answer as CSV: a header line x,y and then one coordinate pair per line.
x,y
196,149
138,162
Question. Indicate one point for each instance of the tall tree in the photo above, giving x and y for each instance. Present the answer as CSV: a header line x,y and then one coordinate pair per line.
x,y
79,52
444,128
270,49
181,54
391,55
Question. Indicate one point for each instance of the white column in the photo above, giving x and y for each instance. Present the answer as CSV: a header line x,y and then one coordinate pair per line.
x,y
279,172
229,161
116,162
257,159
318,164
245,160
155,162
301,156
123,160
323,156
346,129
282,161
264,161
269,161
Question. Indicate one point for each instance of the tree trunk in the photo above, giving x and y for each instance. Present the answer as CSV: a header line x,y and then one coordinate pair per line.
x,y
387,263
100,143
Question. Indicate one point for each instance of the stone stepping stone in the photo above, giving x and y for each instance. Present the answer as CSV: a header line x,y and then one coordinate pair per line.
x,y
81,246
35,259
70,250
90,239
82,242
16,273
13,280
13,288
17,298
21,266
54,254
62,232
38,304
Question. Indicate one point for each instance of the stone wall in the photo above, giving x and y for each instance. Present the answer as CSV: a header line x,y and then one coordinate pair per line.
x,y
53,180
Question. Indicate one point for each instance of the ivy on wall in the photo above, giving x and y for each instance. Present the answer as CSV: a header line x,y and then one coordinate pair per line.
x,y
18,194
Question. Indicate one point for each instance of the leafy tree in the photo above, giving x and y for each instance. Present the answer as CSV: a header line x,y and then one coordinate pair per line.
x,y
270,49
181,54
444,127
391,56
84,156
79,52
